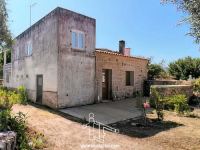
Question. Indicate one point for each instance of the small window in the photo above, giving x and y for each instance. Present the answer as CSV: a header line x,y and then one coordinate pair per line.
x,y
78,40
29,49
129,78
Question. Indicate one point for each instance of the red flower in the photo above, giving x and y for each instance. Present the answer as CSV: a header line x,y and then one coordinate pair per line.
x,y
146,105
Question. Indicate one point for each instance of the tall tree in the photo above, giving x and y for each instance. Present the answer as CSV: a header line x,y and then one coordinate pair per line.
x,y
185,67
5,36
192,8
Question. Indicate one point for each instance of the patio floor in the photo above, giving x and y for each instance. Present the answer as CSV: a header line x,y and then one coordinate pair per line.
x,y
106,113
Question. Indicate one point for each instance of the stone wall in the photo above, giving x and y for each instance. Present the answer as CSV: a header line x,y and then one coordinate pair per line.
x,y
119,65
8,140
149,83
42,61
76,67
168,90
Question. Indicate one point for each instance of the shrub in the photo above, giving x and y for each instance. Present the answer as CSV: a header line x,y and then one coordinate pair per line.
x,y
178,103
196,85
155,70
157,102
23,94
37,140
183,68
8,99
17,124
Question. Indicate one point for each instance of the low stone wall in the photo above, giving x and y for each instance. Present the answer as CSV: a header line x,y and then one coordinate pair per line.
x,y
8,140
168,90
149,83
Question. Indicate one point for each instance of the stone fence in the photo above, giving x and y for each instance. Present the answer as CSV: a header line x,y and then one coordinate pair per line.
x,y
149,83
8,140
168,90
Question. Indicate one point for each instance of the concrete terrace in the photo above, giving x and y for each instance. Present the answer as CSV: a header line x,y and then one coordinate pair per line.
x,y
107,113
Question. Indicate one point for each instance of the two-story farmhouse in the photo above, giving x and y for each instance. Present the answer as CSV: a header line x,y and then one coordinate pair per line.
x,y
57,61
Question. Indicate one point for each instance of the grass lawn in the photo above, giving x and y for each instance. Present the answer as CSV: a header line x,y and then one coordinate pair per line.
x,y
64,134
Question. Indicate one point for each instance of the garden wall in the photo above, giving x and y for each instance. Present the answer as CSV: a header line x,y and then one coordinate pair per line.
x,y
149,83
168,90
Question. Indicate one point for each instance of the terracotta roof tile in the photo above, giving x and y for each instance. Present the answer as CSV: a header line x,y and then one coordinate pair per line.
x,y
107,51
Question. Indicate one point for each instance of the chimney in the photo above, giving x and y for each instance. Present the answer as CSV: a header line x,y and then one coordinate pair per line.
x,y
121,47
127,52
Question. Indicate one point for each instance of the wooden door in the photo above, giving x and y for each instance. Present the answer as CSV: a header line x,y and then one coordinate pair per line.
x,y
106,84
39,91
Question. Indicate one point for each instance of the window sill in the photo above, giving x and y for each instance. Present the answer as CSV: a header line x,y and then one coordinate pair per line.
x,y
28,56
78,50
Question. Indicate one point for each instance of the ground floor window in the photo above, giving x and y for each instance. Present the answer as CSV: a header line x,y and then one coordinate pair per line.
x,y
129,78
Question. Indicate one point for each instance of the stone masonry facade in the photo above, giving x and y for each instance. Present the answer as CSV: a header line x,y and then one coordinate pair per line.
x,y
119,64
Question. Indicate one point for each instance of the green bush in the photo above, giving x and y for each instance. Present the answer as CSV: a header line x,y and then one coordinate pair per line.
x,y
184,67
23,94
10,97
157,102
178,103
17,124
155,70
196,85
37,140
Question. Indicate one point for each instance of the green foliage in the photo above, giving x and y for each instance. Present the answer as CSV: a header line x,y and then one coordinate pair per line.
x,y
23,94
155,71
17,124
178,103
5,36
26,139
192,9
182,68
196,85
157,102
8,97
37,140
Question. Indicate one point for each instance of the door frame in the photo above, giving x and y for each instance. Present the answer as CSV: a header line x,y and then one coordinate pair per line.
x,y
39,99
108,84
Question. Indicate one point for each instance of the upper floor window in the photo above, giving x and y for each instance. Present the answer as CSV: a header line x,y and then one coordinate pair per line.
x,y
78,40
29,48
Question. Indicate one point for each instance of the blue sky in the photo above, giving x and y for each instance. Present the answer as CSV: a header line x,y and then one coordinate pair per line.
x,y
148,27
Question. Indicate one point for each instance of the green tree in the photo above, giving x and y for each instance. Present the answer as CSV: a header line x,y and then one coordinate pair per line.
x,y
155,71
192,9
183,68
5,35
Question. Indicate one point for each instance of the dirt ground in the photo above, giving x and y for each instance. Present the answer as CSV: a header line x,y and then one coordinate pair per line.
x,y
64,134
